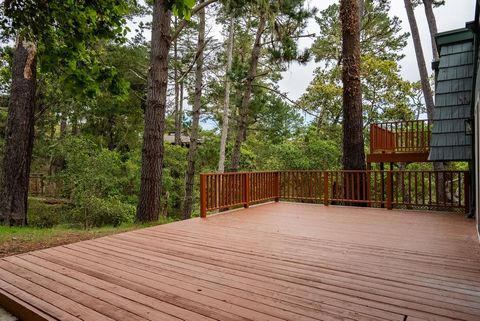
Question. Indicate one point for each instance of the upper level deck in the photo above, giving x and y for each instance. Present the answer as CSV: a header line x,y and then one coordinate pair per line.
x,y
400,141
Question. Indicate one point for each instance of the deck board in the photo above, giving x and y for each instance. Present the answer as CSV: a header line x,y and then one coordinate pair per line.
x,y
278,261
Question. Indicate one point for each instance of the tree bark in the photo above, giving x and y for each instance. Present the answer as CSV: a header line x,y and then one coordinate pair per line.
x,y
353,143
197,104
422,68
19,136
148,208
247,94
226,102
432,26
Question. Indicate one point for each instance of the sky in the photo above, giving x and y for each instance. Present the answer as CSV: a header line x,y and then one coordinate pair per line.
x,y
451,16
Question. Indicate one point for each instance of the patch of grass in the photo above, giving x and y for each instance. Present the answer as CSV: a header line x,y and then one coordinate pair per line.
x,y
16,240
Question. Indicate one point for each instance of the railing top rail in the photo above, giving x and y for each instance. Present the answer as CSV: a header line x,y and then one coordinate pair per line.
x,y
339,171
402,122
236,173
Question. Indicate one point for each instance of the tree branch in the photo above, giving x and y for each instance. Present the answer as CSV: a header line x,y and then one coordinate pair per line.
x,y
183,23
294,103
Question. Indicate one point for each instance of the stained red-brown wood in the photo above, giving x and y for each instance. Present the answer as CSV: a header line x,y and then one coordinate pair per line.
x,y
277,261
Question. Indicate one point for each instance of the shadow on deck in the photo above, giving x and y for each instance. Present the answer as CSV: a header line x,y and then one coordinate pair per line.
x,y
277,261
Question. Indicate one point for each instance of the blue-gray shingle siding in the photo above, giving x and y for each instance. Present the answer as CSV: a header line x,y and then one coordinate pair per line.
x,y
453,106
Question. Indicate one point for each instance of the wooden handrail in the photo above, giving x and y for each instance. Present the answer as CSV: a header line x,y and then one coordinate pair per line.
x,y
400,137
417,189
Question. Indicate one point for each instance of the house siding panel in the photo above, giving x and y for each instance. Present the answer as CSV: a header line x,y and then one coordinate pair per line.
x,y
453,95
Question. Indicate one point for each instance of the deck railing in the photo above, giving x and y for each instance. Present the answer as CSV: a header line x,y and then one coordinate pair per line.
x,y
400,137
427,190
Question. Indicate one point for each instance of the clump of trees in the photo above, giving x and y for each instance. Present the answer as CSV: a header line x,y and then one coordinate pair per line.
x,y
87,102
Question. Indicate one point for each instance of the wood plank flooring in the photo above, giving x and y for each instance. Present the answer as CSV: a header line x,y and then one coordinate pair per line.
x,y
278,261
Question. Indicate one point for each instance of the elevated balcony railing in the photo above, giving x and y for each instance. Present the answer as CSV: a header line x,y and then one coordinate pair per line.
x,y
400,137
425,190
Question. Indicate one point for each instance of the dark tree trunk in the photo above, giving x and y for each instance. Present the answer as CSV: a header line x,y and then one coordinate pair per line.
x,y
353,144
422,67
197,104
432,26
247,94
148,208
19,136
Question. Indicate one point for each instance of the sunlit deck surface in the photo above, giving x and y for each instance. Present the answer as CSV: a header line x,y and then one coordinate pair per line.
x,y
279,261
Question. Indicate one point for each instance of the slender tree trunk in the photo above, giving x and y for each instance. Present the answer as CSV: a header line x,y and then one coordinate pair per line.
x,y
353,143
63,126
197,104
148,208
178,118
19,136
247,94
226,102
180,112
361,9
425,80
422,68
432,26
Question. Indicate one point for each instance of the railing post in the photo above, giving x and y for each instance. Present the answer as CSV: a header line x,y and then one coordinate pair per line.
x,y
277,186
466,182
246,190
203,195
389,189
325,188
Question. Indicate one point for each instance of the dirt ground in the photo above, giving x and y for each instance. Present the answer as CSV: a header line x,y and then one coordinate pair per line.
x,y
17,243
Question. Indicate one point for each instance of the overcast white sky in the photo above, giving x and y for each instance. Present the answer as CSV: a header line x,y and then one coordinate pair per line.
x,y
451,16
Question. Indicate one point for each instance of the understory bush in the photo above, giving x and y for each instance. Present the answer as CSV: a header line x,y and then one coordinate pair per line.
x,y
96,212
41,214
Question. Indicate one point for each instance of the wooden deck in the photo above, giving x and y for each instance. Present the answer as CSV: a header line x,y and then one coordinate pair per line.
x,y
279,261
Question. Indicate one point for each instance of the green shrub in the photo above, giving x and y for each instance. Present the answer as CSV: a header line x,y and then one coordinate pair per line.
x,y
44,215
97,212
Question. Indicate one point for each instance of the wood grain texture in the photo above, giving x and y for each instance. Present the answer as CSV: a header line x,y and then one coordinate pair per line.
x,y
277,261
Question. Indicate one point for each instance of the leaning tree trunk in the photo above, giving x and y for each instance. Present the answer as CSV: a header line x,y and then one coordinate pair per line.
x,y
226,102
197,104
422,67
148,208
425,80
247,94
432,26
353,144
19,135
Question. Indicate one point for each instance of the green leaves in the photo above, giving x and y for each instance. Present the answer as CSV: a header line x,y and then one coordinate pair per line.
x,y
182,8
67,34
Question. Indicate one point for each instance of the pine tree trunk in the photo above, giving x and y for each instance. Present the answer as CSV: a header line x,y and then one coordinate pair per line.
x,y
432,26
19,136
353,143
148,208
197,104
226,102
247,94
422,68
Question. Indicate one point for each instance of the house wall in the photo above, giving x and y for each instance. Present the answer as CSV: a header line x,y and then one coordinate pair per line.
x,y
476,117
477,153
